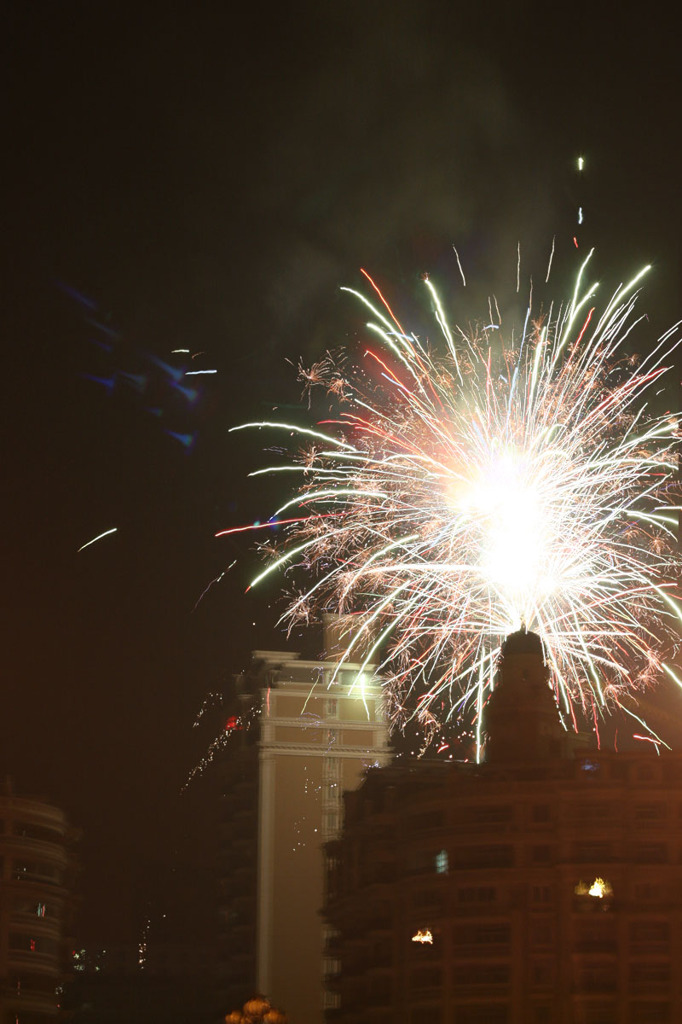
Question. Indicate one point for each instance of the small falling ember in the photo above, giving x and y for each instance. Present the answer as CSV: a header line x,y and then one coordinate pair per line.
x,y
423,935
457,494
142,946
211,700
234,724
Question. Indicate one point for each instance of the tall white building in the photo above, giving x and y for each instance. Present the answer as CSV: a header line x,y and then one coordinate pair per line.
x,y
308,731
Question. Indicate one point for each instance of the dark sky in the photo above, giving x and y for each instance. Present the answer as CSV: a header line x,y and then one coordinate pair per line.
x,y
205,176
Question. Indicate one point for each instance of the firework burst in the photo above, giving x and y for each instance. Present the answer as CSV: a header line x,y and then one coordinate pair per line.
x,y
458,495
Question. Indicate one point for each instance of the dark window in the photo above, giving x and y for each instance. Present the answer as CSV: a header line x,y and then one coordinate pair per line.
x,y
646,892
487,814
427,820
420,861
650,853
651,1013
485,975
543,974
644,977
590,810
37,832
477,894
599,1013
591,853
427,898
650,812
427,977
490,934
596,934
493,1013
484,857
649,936
418,1015
541,932
29,870
598,978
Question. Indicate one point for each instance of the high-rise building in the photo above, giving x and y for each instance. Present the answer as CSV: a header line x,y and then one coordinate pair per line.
x,y
541,886
35,908
307,730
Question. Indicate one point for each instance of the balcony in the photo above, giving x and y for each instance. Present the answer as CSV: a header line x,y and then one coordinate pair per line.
x,y
38,963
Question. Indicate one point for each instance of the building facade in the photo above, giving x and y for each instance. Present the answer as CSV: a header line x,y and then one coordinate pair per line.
x,y
306,733
543,886
35,909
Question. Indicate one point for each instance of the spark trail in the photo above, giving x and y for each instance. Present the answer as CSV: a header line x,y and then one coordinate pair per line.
x,y
457,495
95,539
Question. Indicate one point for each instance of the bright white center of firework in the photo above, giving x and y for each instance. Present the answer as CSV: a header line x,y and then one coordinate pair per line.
x,y
505,503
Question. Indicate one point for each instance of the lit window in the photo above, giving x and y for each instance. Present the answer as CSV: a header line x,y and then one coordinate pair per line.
x,y
598,889
442,862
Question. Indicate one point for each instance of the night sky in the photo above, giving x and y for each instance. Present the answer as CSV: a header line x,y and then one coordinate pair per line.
x,y
206,176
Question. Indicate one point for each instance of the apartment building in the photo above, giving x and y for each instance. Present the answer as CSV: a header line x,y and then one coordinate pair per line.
x,y
542,886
